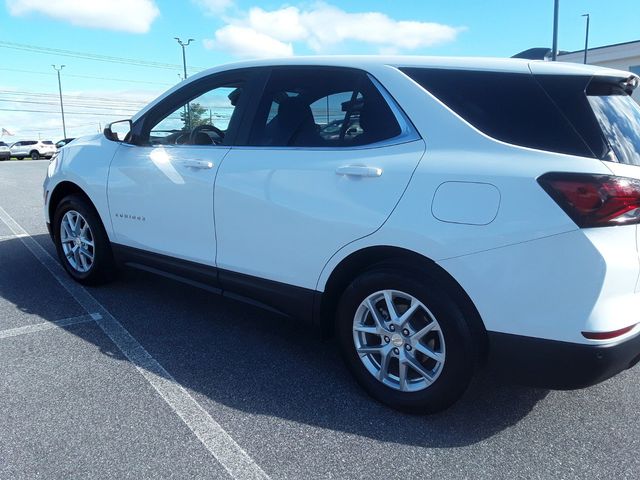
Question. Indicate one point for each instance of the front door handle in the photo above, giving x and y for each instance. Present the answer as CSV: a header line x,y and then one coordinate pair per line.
x,y
204,164
359,171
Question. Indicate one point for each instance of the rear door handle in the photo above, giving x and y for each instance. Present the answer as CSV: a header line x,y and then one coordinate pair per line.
x,y
204,164
359,171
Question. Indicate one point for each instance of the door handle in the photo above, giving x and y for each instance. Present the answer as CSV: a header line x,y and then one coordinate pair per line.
x,y
359,171
204,164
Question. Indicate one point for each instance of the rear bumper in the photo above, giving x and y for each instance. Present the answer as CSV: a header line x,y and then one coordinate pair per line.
x,y
558,365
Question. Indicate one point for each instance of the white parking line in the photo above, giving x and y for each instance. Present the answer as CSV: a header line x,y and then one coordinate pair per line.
x,y
9,237
219,443
39,327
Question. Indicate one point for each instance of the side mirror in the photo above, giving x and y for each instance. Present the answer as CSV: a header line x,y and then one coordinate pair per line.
x,y
118,131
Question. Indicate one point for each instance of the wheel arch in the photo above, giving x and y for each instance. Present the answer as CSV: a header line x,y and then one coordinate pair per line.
x,y
395,257
64,189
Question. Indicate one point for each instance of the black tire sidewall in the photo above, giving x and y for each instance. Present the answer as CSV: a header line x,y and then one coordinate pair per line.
x,y
459,361
102,267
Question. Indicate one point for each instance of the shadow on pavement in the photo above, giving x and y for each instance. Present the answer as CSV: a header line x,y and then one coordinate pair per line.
x,y
254,361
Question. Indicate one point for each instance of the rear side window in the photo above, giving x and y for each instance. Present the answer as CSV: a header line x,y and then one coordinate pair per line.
x,y
511,107
619,117
2,144
321,107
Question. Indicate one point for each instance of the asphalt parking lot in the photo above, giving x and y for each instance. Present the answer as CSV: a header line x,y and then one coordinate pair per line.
x,y
146,378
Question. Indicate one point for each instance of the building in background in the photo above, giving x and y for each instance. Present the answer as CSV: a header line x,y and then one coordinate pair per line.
x,y
622,56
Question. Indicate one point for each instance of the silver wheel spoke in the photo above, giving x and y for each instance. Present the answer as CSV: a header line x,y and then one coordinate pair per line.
x,y
438,357
424,330
385,358
420,369
388,298
367,329
402,375
375,315
406,316
368,350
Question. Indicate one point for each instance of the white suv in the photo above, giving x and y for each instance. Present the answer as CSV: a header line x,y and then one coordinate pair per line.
x,y
434,214
33,148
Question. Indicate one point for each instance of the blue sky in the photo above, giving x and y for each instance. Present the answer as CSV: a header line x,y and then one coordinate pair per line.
x,y
225,30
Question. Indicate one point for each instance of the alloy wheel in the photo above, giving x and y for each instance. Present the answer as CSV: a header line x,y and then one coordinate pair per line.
x,y
399,340
77,241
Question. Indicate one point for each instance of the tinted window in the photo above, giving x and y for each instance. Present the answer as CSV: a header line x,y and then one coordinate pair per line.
x,y
510,107
321,107
2,144
47,142
201,121
29,143
619,117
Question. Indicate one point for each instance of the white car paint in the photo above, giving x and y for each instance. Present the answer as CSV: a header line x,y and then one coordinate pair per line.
x,y
285,215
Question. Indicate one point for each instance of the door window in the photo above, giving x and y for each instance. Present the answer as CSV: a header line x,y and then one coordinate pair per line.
x,y
202,121
326,107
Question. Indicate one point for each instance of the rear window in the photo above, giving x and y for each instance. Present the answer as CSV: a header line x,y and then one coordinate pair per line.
x,y
511,107
619,117
47,142
2,144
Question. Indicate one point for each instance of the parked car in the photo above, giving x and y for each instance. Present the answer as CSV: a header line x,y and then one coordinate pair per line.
x,y
484,210
5,154
63,142
33,148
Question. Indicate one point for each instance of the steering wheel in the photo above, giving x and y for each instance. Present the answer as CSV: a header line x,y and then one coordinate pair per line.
x,y
202,128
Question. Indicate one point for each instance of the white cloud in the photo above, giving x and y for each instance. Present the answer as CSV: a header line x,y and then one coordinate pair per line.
x,y
134,16
214,7
246,42
325,28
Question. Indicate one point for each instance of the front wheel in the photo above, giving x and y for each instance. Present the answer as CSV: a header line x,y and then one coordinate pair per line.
x,y
81,242
405,340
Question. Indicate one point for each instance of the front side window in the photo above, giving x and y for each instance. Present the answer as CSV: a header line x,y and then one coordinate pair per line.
x,y
321,107
201,121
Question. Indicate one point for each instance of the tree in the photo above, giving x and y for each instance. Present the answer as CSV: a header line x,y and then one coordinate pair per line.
x,y
195,116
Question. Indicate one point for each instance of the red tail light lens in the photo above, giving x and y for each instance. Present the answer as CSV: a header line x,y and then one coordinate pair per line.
x,y
595,200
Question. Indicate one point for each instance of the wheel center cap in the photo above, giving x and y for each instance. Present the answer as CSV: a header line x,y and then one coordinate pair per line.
x,y
396,340
77,242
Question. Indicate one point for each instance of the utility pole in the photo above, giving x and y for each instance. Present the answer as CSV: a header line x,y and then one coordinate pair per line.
x,y
58,69
187,119
586,38
556,8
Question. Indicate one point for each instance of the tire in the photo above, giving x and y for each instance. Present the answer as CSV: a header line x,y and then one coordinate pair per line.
x,y
35,155
101,268
449,340
19,158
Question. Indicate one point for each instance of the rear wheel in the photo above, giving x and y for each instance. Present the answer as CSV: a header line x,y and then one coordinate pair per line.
x,y
35,155
405,340
19,158
81,242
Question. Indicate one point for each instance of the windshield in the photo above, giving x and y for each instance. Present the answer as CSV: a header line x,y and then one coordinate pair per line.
x,y
619,117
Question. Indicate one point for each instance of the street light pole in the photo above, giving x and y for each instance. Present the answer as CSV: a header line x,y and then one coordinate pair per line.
x,y
556,8
184,55
58,69
586,38
187,110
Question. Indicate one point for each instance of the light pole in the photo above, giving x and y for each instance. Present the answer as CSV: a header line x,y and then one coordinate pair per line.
x,y
184,55
556,8
58,69
586,37
187,110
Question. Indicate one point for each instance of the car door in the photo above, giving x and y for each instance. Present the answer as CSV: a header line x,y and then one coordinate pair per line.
x,y
160,187
299,189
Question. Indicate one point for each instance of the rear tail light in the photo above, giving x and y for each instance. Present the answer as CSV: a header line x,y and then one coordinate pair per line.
x,y
595,200
608,335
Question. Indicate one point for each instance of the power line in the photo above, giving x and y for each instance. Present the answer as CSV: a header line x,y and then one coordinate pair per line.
x,y
91,56
129,109
90,77
77,97
54,112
